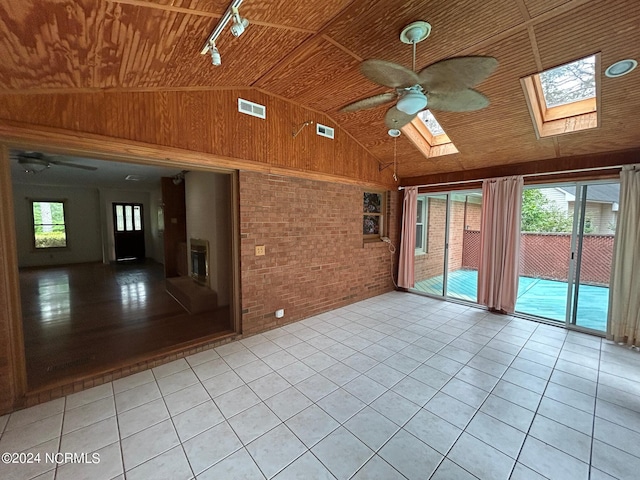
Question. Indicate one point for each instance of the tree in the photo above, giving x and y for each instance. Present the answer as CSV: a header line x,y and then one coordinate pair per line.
x,y
541,216
569,83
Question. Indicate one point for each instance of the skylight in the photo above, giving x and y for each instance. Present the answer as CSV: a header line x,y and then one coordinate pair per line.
x,y
564,99
569,83
431,123
428,135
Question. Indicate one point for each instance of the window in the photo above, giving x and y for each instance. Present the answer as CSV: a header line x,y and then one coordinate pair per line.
x,y
564,99
428,135
128,217
49,229
374,215
421,230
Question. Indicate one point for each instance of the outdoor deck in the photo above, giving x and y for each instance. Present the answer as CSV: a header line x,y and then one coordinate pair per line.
x,y
536,296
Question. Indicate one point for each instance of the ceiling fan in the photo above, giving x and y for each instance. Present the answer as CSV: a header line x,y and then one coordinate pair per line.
x,y
443,85
36,162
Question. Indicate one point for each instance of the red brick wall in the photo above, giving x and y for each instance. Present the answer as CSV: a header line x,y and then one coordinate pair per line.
x,y
431,264
474,216
546,255
315,257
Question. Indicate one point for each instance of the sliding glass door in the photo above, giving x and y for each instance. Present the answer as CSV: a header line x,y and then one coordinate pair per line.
x,y
464,245
596,220
448,244
566,252
430,255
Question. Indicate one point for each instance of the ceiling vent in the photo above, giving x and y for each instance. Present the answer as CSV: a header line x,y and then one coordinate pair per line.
x,y
324,131
253,109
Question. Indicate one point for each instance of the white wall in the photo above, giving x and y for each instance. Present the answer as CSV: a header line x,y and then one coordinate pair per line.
x,y
208,199
157,237
84,243
558,197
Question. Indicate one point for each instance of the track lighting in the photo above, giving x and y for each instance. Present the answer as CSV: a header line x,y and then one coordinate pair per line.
x,y
216,60
238,27
178,178
239,23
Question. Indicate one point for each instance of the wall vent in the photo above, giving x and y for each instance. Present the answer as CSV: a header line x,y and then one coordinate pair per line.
x,y
250,108
324,131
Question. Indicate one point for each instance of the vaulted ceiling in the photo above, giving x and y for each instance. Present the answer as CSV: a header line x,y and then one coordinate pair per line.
x,y
309,52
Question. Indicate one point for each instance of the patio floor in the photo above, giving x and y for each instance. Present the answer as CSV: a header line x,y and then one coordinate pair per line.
x,y
536,296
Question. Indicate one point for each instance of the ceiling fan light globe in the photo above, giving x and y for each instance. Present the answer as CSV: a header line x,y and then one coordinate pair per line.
x,y
412,102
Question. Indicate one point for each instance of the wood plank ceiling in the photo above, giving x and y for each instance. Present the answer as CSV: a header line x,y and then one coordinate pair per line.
x,y
309,53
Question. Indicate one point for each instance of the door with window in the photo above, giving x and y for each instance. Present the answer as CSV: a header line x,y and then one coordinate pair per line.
x,y
128,228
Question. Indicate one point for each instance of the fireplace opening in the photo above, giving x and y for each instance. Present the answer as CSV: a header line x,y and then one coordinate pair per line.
x,y
199,260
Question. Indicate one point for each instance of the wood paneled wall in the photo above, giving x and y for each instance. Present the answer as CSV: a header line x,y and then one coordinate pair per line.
x,y
12,366
207,122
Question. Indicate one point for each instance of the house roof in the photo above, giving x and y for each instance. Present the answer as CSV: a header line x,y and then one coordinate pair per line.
x,y
309,53
608,192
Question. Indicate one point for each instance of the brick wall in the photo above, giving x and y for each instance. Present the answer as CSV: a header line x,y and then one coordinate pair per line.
x,y
463,214
315,257
546,255
431,263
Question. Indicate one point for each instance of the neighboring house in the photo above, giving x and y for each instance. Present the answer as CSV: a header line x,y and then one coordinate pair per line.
x,y
602,205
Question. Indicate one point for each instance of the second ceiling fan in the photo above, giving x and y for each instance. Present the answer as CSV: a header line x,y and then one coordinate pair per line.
x,y
443,85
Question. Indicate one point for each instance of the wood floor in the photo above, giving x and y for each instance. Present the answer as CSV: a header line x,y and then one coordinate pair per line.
x,y
85,318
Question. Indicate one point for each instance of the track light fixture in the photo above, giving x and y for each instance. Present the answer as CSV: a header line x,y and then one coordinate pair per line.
x,y
216,60
239,23
178,178
237,28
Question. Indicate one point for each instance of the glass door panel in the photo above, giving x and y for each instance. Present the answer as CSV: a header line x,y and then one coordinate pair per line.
x,y
431,228
464,245
545,251
594,254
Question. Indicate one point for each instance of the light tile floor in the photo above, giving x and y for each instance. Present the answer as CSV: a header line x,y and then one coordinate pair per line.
x,y
397,386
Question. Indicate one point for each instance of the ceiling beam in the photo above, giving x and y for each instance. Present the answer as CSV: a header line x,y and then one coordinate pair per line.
x,y
202,13
563,164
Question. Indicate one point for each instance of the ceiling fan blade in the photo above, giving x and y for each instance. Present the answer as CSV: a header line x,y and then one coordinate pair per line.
x,y
72,165
369,102
394,118
388,74
456,73
462,101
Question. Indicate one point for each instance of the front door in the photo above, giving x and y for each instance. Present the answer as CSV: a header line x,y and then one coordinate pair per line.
x,y
128,231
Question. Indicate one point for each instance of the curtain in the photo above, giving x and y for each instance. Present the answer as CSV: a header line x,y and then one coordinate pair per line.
x,y
624,292
406,273
500,243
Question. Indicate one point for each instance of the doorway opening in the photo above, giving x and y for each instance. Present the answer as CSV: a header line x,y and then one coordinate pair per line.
x,y
102,297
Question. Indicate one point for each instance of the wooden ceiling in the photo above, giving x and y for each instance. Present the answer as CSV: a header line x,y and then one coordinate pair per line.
x,y
309,53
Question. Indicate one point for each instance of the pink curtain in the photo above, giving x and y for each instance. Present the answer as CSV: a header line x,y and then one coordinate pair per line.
x,y
624,290
500,243
406,276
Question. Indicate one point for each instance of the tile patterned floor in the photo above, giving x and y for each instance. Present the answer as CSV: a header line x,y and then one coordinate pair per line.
x,y
397,386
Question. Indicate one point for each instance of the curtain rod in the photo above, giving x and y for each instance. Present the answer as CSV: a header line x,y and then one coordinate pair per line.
x,y
524,175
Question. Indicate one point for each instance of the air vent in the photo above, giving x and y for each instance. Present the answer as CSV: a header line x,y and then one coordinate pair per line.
x,y
253,109
324,131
